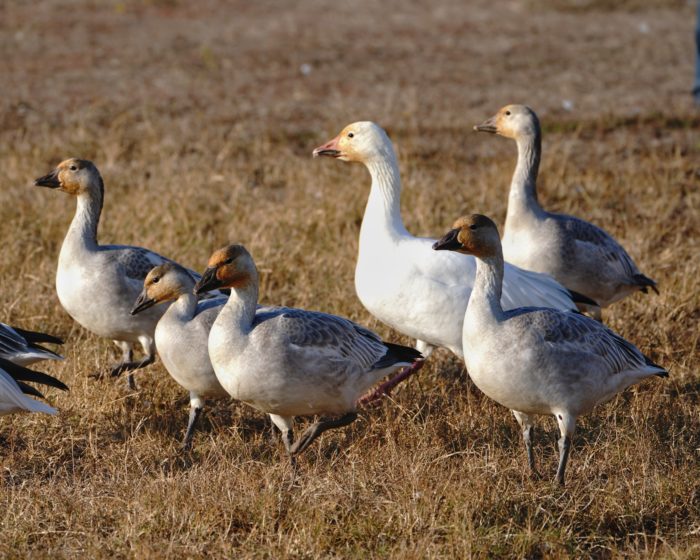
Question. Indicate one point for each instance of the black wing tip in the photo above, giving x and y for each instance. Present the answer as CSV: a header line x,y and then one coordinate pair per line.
x,y
29,390
21,373
400,353
578,297
37,337
651,363
644,282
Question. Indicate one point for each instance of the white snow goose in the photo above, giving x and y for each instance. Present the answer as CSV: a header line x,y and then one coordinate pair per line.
x,y
398,277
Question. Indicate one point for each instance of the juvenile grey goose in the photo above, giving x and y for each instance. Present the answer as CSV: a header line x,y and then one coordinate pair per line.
x,y
182,335
291,362
536,360
580,255
98,284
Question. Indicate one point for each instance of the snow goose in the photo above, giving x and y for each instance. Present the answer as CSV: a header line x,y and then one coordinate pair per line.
x,y
398,278
535,360
97,284
24,347
182,335
291,362
582,256
13,389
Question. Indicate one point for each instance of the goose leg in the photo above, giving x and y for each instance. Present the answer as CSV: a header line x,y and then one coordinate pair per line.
x,y
285,424
567,425
317,428
196,407
128,365
127,349
526,425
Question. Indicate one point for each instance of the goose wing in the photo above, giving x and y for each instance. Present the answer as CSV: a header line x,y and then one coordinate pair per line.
x,y
596,241
523,288
321,337
20,346
12,399
576,334
137,262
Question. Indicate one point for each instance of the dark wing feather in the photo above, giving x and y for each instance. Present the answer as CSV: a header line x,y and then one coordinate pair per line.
x,y
20,373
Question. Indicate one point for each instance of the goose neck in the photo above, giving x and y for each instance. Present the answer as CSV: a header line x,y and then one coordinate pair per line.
x,y
83,228
485,300
383,211
523,187
239,311
185,306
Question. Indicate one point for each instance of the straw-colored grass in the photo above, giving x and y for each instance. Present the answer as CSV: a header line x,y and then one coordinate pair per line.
x,y
202,122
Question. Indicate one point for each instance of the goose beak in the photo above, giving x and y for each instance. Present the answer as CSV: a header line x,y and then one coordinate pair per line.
x,y
449,242
143,302
489,125
329,149
207,282
51,180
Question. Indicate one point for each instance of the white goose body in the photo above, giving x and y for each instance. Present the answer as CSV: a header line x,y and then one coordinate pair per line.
x,y
399,278
537,360
580,255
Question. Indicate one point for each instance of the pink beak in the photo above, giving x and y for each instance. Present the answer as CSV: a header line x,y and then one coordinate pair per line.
x,y
330,149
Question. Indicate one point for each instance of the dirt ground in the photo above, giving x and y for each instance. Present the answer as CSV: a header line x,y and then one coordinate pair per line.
x,y
201,117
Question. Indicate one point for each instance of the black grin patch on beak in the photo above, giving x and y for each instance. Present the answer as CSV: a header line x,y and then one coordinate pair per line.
x,y
486,127
207,282
328,153
142,303
449,242
51,180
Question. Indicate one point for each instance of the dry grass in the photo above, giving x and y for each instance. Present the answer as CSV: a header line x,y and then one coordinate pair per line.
x,y
202,124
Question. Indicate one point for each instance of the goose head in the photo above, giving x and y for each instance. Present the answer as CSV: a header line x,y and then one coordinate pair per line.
x,y
472,235
165,282
512,121
228,267
74,176
361,142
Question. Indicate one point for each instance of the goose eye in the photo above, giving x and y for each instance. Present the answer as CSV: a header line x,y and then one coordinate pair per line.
x,y
73,168
507,113
228,261
473,227
351,135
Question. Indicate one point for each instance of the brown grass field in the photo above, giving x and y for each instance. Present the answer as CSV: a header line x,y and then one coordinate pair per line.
x,y
202,124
